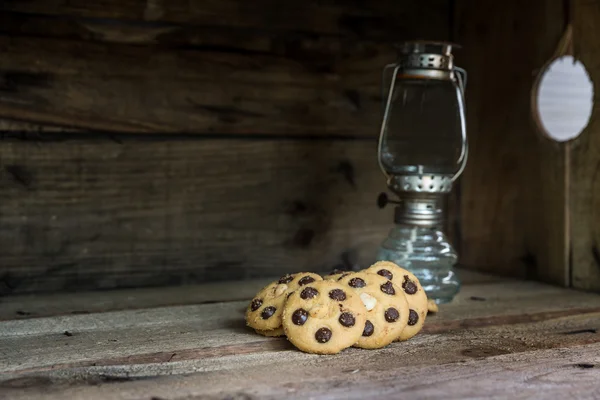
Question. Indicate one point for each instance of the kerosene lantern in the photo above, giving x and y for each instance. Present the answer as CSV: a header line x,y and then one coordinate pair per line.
x,y
422,151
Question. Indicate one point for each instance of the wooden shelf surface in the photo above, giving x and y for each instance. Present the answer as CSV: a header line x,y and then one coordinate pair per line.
x,y
499,337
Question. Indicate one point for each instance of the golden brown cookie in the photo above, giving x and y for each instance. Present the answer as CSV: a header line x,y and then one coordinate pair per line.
x,y
264,311
387,308
415,295
277,332
323,318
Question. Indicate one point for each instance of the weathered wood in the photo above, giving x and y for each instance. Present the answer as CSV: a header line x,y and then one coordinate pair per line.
x,y
512,194
132,351
54,304
564,373
133,337
381,20
140,89
80,215
585,158
207,78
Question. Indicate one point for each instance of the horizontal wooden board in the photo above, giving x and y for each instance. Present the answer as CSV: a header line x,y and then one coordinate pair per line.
x,y
70,67
205,350
120,212
550,373
140,89
381,20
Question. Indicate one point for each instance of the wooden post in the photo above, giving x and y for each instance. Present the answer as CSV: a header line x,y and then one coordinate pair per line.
x,y
584,208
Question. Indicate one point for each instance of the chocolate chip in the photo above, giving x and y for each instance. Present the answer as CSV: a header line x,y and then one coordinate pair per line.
x,y
386,273
337,294
391,315
347,319
342,277
409,286
306,280
299,316
268,312
323,335
286,279
357,283
413,317
255,305
369,328
309,293
388,288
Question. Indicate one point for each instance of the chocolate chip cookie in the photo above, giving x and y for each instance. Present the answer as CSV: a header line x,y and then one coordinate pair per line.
x,y
277,332
387,308
415,295
323,317
432,306
265,309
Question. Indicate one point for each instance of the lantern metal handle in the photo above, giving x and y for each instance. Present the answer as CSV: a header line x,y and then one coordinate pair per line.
x,y
386,111
461,77
383,76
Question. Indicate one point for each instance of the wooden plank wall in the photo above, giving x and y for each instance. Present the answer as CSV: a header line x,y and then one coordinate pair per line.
x,y
170,142
150,142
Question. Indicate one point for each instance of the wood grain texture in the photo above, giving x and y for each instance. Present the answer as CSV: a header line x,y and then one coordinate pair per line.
x,y
99,214
512,204
585,156
205,68
205,350
141,89
560,372
381,20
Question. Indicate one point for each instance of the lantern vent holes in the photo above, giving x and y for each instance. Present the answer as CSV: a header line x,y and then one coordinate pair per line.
x,y
432,61
562,99
421,183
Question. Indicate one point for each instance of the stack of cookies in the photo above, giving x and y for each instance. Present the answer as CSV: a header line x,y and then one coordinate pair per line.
x,y
325,315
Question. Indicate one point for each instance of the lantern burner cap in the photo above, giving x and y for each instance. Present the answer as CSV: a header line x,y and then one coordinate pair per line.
x,y
420,198
420,184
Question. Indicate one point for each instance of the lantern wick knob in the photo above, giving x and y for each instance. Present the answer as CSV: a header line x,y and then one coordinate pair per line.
x,y
383,200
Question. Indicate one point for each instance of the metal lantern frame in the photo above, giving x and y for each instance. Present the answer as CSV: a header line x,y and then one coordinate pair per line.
x,y
419,192
429,66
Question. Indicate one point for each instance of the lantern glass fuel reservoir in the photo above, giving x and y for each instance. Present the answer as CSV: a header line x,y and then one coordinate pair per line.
x,y
422,151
